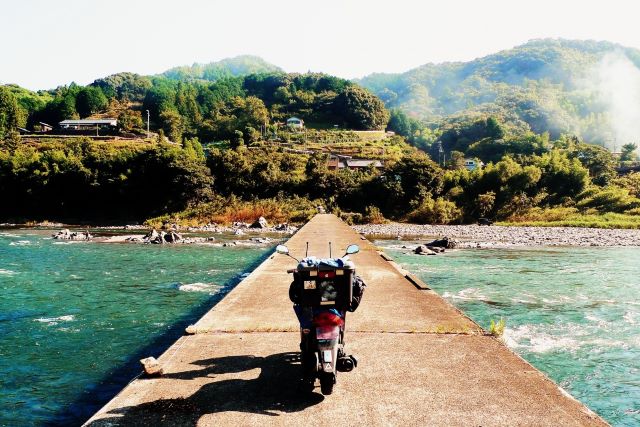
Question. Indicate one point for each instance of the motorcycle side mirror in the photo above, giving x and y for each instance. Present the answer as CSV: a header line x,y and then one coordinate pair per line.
x,y
352,249
282,249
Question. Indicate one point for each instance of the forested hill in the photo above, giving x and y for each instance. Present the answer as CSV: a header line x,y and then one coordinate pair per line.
x,y
560,86
584,88
231,108
229,67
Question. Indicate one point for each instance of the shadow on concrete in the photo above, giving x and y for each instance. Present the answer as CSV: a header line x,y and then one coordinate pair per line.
x,y
275,390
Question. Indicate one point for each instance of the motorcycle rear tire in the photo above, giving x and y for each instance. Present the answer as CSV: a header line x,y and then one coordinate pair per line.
x,y
327,382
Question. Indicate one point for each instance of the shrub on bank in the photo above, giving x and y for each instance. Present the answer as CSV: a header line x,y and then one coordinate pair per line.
x,y
372,215
438,211
571,217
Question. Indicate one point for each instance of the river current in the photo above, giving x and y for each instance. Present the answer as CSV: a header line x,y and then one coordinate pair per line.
x,y
75,317
573,313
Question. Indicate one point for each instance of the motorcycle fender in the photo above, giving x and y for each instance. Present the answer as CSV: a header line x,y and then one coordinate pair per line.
x,y
328,360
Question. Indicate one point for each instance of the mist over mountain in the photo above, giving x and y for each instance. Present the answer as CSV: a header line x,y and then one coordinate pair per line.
x,y
587,88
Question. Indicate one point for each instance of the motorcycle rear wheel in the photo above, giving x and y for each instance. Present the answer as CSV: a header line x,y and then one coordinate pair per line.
x,y
327,382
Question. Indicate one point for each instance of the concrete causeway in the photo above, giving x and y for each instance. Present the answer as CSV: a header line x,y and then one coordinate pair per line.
x,y
421,361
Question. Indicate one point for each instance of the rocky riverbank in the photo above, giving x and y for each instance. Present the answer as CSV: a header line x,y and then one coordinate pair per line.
x,y
476,236
238,234
260,225
173,238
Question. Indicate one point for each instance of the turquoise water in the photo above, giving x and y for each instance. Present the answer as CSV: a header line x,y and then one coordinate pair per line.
x,y
573,313
75,318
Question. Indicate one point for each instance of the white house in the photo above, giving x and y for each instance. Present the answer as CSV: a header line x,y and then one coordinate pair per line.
x,y
295,122
88,124
340,162
473,164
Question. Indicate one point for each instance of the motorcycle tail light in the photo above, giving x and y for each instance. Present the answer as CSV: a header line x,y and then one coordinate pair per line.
x,y
327,319
326,274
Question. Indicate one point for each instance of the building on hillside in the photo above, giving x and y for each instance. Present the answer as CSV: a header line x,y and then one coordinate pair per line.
x,y
333,163
337,162
88,124
43,127
473,164
296,123
357,164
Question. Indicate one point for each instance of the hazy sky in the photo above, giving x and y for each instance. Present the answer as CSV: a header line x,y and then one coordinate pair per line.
x,y
45,43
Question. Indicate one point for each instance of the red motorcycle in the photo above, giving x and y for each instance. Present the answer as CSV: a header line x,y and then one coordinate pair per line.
x,y
322,291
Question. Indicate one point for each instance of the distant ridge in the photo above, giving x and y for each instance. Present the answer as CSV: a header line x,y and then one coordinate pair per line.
x,y
229,67
543,85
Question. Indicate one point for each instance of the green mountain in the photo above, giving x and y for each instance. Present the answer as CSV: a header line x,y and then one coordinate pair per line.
x,y
229,67
560,86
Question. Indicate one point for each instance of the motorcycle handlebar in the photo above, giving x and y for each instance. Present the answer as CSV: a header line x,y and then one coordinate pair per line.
x,y
291,270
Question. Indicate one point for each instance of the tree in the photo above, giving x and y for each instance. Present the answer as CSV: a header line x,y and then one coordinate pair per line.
x,y
486,202
12,141
124,86
628,152
600,161
172,124
406,184
129,120
457,160
360,109
193,149
187,106
90,100
561,176
238,140
494,129
11,114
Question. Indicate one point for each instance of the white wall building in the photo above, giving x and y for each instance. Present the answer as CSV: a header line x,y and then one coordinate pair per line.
x,y
295,122
473,164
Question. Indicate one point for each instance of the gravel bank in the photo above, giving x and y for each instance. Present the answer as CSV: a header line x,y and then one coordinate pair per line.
x,y
476,236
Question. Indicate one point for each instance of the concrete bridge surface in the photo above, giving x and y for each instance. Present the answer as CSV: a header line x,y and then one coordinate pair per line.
x,y
421,361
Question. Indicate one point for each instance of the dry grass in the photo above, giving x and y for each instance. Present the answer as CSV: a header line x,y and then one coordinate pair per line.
x,y
229,210
571,217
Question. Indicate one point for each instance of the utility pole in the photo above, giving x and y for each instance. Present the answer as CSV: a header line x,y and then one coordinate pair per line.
x,y
97,134
148,116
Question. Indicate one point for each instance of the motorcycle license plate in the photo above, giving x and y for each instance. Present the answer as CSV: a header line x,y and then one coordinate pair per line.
x,y
309,284
327,356
327,333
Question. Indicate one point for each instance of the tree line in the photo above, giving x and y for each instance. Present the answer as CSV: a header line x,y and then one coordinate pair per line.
x,y
97,181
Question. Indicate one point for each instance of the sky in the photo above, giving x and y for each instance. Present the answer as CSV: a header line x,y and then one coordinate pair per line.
x,y
45,43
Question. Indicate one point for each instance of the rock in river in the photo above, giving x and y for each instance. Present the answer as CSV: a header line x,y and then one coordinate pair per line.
x,y
260,223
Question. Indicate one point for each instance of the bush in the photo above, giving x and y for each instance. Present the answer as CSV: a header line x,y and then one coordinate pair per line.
x,y
352,217
497,329
608,199
438,211
372,215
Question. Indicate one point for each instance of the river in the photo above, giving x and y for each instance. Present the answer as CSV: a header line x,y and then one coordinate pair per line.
x,y
75,317
574,313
